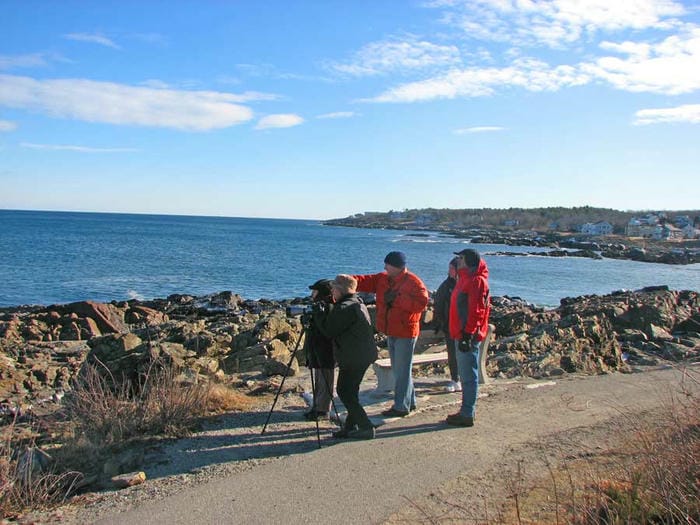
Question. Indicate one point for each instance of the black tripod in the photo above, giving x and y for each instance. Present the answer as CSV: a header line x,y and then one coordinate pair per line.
x,y
313,387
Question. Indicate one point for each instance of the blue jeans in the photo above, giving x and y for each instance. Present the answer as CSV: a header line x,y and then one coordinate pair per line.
x,y
468,364
401,356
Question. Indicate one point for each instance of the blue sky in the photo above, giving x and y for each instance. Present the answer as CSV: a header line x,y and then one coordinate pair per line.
x,y
322,109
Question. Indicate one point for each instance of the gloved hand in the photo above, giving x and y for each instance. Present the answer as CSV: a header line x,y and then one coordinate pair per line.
x,y
466,343
318,307
389,297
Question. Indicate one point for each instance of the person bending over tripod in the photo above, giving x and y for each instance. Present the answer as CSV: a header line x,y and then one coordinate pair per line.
x,y
318,350
348,323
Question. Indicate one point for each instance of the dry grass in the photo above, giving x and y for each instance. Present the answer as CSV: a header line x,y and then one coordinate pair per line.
x,y
28,479
105,416
653,476
657,479
222,398
108,412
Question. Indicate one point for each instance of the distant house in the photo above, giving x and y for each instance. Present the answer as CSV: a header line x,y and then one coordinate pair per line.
x,y
668,232
423,220
647,227
690,232
597,228
511,222
681,221
650,219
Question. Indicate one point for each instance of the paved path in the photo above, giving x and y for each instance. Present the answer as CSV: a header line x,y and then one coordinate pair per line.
x,y
366,481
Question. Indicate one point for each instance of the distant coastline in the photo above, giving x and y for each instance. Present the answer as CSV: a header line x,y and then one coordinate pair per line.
x,y
538,227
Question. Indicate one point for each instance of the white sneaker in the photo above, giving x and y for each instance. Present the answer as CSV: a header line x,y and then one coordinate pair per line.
x,y
453,386
308,398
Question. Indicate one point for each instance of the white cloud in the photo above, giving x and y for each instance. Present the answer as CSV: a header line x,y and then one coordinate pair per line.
x,y
120,104
338,114
398,56
526,73
94,38
6,125
556,22
671,67
478,129
281,120
687,113
30,60
80,149
155,84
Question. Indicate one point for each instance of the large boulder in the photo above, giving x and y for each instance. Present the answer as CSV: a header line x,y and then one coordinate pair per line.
x,y
109,318
572,344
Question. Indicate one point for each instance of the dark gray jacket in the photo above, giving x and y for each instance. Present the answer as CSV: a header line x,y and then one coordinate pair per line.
x,y
441,305
347,322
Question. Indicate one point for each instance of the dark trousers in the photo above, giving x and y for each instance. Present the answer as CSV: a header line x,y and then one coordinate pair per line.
x,y
348,388
452,358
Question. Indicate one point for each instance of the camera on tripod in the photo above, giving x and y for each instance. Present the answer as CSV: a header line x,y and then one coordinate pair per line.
x,y
298,309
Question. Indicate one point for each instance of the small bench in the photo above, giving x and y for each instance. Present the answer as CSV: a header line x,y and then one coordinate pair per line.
x,y
385,375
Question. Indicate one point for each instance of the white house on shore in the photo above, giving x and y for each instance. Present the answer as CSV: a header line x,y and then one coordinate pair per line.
x,y
597,228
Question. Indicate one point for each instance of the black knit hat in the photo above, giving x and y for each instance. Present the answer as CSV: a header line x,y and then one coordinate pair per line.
x,y
323,286
471,257
396,259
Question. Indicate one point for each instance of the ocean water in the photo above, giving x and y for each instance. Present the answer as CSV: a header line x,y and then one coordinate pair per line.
x,y
59,257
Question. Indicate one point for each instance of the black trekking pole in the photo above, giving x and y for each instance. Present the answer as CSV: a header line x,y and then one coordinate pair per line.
x,y
277,395
313,405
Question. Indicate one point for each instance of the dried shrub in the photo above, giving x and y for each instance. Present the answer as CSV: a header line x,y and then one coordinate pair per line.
x,y
659,480
29,477
109,412
222,398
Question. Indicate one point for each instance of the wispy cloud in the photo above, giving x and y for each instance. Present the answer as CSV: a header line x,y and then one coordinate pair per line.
x,y
397,56
688,113
478,129
556,22
670,67
120,104
281,120
527,73
79,149
18,61
95,38
6,125
271,71
150,38
338,114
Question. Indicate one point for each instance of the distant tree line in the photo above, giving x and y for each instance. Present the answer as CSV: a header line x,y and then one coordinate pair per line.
x,y
541,219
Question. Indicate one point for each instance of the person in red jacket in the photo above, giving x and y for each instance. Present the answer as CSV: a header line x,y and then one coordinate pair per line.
x,y
401,299
469,322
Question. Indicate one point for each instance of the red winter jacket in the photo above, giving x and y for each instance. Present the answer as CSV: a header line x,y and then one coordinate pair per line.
x,y
469,305
402,319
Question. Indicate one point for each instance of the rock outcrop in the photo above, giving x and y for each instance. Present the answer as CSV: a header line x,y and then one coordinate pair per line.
x,y
44,348
595,334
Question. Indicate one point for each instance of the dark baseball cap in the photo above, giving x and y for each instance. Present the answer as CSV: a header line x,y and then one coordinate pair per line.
x,y
471,257
322,285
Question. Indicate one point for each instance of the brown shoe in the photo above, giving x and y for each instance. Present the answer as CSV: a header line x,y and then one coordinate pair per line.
x,y
392,412
458,420
361,433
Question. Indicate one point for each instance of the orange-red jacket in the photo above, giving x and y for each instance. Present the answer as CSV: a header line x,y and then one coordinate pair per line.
x,y
402,318
470,306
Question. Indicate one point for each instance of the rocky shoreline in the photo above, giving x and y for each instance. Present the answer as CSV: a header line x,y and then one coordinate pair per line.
x,y
225,338
561,244
247,345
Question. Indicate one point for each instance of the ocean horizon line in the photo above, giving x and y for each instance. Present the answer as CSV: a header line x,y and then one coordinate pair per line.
x,y
154,214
